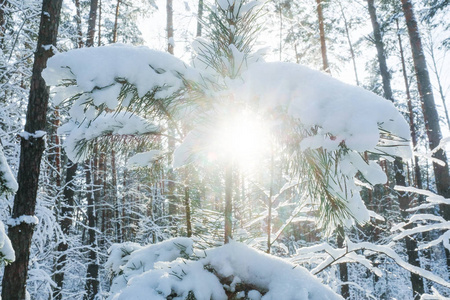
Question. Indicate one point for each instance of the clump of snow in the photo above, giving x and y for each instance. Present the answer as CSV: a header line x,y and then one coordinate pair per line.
x,y
144,159
33,220
99,74
348,114
37,135
128,260
234,267
106,124
7,254
8,183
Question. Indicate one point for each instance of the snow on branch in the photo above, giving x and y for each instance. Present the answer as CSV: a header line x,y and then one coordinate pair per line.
x,y
80,137
431,222
98,77
173,269
8,183
7,254
348,254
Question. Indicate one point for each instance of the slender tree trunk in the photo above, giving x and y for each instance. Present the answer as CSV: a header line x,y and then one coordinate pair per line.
x,y
269,202
54,156
92,282
438,78
187,207
171,142
116,22
31,148
80,42
228,201
404,199
99,195
343,269
378,40
170,42
323,46
99,43
65,223
412,128
433,129
199,17
115,199
3,4
350,45
91,23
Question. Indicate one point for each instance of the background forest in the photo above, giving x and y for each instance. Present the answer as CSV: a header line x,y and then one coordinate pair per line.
x,y
93,180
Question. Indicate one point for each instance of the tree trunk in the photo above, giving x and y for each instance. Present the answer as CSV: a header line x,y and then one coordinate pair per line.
x,y
270,200
116,20
228,201
3,21
31,148
433,129
199,17
350,45
92,282
412,128
91,23
170,43
385,75
80,43
435,70
323,46
343,269
404,199
115,199
65,223
187,207
99,42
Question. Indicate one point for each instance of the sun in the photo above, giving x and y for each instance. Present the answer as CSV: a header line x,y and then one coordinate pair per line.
x,y
242,137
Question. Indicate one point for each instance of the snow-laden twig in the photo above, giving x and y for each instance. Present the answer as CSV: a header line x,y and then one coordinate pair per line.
x,y
348,254
439,224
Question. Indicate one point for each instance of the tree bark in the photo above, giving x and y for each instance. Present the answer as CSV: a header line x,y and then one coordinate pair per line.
x,y
80,42
199,17
169,8
187,207
385,75
228,201
343,269
91,23
31,149
99,42
323,46
116,21
404,199
65,223
3,21
92,282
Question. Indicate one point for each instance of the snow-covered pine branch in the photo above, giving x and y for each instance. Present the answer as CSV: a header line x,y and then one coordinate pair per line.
x,y
112,130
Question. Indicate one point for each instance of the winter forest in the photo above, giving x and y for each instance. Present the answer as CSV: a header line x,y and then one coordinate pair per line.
x,y
224,149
